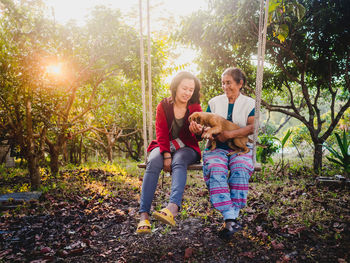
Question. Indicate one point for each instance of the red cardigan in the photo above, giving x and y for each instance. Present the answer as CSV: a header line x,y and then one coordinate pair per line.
x,y
164,119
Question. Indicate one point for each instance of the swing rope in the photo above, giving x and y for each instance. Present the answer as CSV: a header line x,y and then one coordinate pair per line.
x,y
143,85
149,64
259,73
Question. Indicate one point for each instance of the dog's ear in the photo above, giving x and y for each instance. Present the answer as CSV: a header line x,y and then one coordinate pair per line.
x,y
190,118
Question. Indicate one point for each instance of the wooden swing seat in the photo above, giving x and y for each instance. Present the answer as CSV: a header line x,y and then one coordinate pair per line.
x,y
195,166
199,166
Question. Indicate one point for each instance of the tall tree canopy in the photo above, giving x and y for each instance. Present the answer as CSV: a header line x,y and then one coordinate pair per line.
x,y
99,62
307,56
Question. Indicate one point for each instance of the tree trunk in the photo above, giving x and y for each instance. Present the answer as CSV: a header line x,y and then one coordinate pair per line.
x,y
318,157
55,150
80,149
73,152
110,154
32,158
34,173
85,154
65,152
109,148
54,154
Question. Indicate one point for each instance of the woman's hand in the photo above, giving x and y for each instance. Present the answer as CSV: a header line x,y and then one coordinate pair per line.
x,y
195,128
167,163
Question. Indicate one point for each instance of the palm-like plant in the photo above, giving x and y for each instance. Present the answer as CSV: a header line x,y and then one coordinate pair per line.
x,y
341,158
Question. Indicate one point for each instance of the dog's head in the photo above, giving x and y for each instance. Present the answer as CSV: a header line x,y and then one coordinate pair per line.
x,y
195,117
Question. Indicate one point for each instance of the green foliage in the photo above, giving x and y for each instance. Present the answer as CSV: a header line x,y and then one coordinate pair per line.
x,y
264,155
8,175
285,138
272,145
283,142
281,14
300,135
341,156
345,120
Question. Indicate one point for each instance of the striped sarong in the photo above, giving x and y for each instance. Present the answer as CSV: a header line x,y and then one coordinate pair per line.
x,y
228,191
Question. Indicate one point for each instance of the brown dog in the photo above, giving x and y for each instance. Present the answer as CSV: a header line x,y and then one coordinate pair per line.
x,y
218,124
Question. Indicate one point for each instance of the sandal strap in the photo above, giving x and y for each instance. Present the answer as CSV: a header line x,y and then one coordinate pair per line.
x,y
164,215
167,212
144,223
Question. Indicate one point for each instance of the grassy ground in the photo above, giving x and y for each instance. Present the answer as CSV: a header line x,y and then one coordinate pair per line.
x,y
89,214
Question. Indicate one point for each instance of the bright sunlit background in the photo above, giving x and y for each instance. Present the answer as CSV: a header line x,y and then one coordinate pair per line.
x,y
54,69
162,11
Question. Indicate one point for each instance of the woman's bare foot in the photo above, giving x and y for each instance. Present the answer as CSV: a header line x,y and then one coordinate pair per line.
x,y
173,208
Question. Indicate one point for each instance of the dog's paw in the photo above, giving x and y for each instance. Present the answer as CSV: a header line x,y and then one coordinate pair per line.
x,y
207,135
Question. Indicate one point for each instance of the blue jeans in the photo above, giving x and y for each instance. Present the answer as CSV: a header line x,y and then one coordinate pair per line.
x,y
180,160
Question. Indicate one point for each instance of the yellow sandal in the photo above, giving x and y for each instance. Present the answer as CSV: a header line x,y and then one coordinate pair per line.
x,y
165,216
144,223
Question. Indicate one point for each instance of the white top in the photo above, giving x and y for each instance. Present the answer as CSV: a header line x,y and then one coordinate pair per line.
x,y
241,110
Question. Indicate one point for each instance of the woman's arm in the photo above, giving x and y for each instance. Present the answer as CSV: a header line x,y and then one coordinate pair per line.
x,y
241,132
162,131
162,134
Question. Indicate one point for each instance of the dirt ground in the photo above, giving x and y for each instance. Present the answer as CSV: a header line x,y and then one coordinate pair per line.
x,y
88,226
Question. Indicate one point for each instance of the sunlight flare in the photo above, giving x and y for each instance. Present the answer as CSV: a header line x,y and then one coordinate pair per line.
x,y
54,69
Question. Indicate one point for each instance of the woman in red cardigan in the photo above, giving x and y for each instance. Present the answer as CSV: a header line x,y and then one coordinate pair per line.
x,y
175,147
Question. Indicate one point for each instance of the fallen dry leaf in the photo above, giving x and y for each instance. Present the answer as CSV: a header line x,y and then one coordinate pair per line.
x,y
276,245
248,254
188,252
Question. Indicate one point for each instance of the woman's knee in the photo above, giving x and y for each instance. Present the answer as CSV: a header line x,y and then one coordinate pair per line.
x,y
154,161
184,157
215,164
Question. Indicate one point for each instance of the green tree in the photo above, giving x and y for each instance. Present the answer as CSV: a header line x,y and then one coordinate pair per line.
x,y
307,57
26,103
